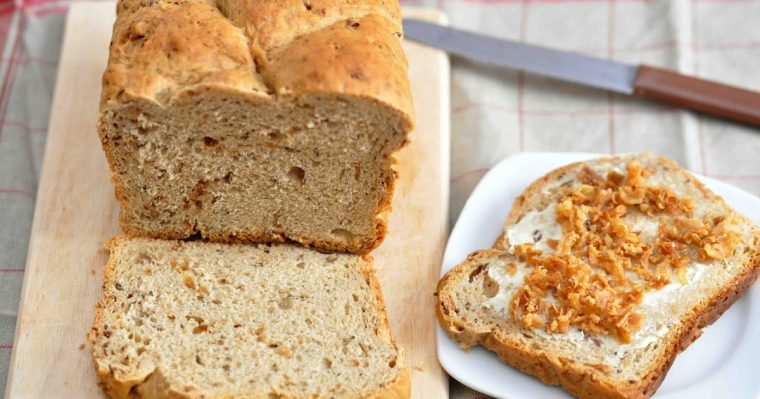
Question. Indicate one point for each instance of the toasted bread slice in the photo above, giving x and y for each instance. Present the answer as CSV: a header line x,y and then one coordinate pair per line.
x,y
202,320
476,299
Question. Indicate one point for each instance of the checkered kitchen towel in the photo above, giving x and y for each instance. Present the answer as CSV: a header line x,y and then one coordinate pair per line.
x,y
495,112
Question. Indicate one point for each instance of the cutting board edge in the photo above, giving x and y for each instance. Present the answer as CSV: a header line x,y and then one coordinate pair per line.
x,y
38,217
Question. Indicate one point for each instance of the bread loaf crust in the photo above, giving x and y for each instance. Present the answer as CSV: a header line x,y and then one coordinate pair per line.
x,y
154,386
280,53
264,51
577,378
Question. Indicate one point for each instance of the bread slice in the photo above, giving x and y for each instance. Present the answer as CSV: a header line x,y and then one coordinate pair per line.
x,y
280,116
202,320
477,297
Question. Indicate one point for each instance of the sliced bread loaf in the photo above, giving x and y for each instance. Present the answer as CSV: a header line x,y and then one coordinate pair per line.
x,y
202,320
606,270
244,120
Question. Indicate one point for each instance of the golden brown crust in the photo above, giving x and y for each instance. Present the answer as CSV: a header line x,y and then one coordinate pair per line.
x,y
165,37
267,50
278,22
114,387
271,52
399,388
579,379
701,317
361,57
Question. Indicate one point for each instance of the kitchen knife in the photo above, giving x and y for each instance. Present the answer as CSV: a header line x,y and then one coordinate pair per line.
x,y
642,80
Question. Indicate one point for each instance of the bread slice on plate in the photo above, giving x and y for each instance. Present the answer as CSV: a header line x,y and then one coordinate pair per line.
x,y
605,271
283,116
201,320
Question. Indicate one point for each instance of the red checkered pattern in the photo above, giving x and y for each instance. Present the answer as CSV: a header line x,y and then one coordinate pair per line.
x,y
495,112
30,33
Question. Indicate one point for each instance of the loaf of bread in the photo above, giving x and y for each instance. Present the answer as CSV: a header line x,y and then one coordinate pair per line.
x,y
264,121
201,320
606,270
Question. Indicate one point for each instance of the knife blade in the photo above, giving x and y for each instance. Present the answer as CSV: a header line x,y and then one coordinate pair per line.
x,y
646,81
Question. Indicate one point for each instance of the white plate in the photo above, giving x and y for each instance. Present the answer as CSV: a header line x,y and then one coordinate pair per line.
x,y
723,363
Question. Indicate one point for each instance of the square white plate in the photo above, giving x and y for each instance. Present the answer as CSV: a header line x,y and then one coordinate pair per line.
x,y
723,363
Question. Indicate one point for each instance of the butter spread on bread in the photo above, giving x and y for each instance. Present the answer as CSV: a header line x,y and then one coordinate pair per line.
x,y
604,272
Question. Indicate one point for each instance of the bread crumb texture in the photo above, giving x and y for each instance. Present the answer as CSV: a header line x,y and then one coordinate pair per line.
x,y
242,321
282,116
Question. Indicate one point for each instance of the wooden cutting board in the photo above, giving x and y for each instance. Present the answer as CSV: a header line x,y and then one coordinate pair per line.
x,y
76,213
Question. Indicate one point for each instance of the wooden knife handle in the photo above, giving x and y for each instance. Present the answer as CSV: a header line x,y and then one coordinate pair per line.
x,y
698,94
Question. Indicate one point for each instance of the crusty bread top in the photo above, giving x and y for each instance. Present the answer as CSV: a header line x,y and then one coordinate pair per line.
x,y
167,51
197,319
